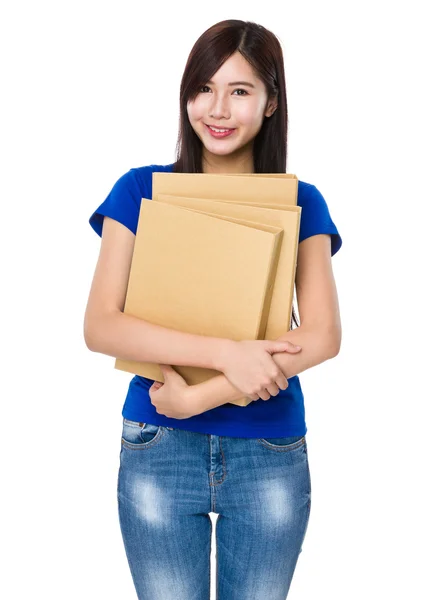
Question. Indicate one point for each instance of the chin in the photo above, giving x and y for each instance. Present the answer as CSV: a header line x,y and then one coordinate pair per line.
x,y
222,152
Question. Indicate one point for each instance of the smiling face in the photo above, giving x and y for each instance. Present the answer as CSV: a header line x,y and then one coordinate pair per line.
x,y
235,99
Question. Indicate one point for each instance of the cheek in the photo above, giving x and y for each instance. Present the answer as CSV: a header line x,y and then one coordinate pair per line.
x,y
195,110
249,116
190,112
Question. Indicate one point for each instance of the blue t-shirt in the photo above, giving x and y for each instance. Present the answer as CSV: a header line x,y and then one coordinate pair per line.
x,y
280,416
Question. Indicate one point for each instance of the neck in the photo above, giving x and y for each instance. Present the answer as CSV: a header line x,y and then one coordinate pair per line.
x,y
241,163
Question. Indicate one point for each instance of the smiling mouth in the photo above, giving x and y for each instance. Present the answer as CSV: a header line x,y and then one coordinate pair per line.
x,y
220,129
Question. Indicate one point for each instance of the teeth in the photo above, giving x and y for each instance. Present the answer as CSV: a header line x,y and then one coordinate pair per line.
x,y
218,130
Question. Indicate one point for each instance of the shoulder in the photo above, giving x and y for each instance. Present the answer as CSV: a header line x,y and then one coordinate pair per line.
x,y
312,202
315,215
142,177
145,172
123,202
307,192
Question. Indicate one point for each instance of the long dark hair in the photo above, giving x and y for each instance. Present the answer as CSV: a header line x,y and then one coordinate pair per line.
x,y
261,48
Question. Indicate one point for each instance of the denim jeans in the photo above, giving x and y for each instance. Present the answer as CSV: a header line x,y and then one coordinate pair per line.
x,y
171,479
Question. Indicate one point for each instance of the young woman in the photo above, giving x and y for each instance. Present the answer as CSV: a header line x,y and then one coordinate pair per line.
x,y
186,450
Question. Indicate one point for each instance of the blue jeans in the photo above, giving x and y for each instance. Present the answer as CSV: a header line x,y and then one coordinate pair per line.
x,y
171,479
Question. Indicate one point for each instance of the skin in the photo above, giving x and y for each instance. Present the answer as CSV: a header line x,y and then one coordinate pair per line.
x,y
319,334
224,106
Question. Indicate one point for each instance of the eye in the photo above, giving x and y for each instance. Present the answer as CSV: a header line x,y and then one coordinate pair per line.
x,y
245,93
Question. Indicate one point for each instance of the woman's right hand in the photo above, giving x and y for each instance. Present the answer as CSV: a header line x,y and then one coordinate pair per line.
x,y
249,366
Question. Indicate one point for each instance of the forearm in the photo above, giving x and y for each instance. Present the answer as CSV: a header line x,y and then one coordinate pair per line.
x,y
317,347
130,338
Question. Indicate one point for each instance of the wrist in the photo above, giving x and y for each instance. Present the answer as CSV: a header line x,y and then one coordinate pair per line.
x,y
212,393
194,400
224,347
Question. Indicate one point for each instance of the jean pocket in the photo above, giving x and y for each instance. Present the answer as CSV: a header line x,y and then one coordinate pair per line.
x,y
137,436
283,444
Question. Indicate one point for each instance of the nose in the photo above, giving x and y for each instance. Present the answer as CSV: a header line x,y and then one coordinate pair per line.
x,y
219,108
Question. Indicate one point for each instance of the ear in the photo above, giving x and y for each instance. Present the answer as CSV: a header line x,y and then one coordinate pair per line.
x,y
271,107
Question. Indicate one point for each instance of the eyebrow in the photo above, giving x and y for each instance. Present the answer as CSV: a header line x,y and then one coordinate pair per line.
x,y
238,83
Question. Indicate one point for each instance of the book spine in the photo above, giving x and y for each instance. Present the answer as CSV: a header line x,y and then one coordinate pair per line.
x,y
277,245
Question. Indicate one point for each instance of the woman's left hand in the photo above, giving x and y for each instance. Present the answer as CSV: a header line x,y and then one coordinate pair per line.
x,y
173,398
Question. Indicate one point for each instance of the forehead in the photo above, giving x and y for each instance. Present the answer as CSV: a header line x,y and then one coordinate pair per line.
x,y
236,67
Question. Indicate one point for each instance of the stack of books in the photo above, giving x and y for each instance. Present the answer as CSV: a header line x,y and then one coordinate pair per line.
x,y
214,255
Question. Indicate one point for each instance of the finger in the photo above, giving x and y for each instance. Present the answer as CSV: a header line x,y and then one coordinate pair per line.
x,y
264,394
279,346
292,347
168,370
281,381
272,389
284,347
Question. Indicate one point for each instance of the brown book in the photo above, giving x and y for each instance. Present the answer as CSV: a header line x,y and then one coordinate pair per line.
x,y
284,217
268,199
200,273
244,188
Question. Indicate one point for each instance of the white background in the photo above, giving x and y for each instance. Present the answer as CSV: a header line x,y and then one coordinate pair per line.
x,y
91,89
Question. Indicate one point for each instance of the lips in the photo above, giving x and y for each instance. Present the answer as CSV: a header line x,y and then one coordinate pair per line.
x,y
219,135
224,128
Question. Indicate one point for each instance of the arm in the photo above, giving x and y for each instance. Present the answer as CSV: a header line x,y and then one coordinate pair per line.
x,y
316,348
108,330
124,336
319,333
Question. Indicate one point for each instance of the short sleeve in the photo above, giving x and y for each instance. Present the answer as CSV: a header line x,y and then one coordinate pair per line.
x,y
315,216
123,203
